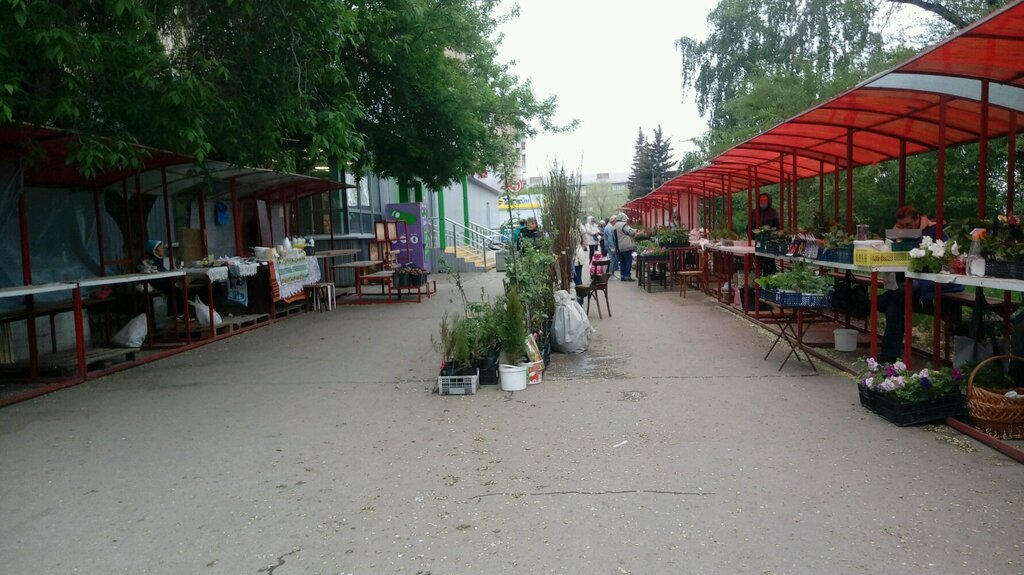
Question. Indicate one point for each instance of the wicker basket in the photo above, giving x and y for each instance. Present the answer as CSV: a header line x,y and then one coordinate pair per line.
x,y
994,413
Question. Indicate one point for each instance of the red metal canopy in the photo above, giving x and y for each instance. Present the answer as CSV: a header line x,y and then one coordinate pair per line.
x,y
976,73
46,151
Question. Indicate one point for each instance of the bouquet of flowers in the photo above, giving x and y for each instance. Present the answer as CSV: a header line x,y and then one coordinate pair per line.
x,y
932,255
909,386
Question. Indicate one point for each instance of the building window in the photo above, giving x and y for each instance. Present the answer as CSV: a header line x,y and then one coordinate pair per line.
x,y
363,204
316,213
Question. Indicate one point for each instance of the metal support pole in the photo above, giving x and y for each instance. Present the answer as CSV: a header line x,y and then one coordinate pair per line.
x,y
983,153
233,185
795,188
202,221
167,218
902,175
1011,163
849,180
940,214
99,230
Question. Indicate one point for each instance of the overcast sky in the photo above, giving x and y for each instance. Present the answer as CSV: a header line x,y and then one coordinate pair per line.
x,y
612,65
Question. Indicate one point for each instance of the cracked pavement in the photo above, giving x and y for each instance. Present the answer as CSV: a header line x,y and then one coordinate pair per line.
x,y
315,446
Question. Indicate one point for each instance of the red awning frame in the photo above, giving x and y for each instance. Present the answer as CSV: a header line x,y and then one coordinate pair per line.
x,y
967,89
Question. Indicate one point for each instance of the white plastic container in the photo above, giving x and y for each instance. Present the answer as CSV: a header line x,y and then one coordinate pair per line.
x,y
513,377
846,339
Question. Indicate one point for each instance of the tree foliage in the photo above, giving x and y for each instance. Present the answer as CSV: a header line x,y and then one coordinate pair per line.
x,y
767,60
653,164
410,88
640,172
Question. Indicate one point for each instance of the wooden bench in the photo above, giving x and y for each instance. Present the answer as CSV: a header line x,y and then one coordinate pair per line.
x,y
384,278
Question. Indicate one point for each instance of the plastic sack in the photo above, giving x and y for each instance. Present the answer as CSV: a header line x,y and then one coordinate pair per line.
x,y
203,313
132,334
571,329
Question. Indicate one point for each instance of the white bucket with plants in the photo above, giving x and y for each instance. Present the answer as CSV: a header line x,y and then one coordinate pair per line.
x,y
513,377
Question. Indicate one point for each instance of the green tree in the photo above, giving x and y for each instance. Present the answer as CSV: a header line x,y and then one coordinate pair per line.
x,y
409,88
754,39
640,172
601,199
659,155
955,13
438,103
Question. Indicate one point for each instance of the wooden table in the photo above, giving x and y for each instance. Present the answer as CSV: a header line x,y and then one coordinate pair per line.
x,y
360,267
328,257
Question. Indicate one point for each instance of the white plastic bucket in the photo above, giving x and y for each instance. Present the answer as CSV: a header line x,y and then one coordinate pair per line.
x,y
513,377
846,339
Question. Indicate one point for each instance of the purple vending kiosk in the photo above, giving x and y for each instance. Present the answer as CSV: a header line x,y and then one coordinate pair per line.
x,y
414,215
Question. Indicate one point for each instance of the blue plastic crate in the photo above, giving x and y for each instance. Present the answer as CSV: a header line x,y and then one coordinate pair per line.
x,y
795,299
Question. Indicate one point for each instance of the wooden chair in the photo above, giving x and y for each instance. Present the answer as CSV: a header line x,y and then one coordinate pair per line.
x,y
692,271
599,283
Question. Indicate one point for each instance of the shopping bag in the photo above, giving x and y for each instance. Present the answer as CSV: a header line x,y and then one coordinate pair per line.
x,y
571,329
976,346
203,313
132,334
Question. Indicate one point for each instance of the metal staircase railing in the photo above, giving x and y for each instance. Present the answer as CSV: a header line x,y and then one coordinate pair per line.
x,y
464,240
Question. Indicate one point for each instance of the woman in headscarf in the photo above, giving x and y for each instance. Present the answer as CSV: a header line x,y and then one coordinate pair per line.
x,y
154,263
765,216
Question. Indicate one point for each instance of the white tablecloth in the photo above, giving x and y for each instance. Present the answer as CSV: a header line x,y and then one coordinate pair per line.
x,y
290,288
220,273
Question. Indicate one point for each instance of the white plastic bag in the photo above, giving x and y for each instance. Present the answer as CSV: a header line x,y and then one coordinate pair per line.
x,y
203,313
571,329
132,334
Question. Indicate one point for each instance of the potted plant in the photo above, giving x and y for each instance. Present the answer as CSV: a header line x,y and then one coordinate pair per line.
x,y
485,321
402,277
512,335
762,235
932,255
455,345
837,246
650,250
800,286
905,397
728,237
672,237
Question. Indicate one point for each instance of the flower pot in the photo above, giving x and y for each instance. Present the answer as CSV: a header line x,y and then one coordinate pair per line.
x,y
903,413
513,377
489,366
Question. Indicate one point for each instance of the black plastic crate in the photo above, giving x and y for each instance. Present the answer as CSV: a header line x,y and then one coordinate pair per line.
x,y
903,413
837,255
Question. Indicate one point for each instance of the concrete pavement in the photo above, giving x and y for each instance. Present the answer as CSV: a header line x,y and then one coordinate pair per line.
x,y
315,446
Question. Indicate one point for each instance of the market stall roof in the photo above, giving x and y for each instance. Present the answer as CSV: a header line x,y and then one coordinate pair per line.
x,y
46,152
895,112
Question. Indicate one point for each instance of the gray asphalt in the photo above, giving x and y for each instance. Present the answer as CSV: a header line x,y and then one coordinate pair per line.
x,y
316,446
